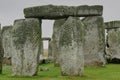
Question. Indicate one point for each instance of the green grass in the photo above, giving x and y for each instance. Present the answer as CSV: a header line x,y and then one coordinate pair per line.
x,y
109,72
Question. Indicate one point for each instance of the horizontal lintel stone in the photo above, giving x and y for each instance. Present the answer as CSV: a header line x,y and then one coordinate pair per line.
x,y
112,24
57,12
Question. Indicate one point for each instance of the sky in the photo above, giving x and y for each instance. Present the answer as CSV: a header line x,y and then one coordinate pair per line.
x,y
11,10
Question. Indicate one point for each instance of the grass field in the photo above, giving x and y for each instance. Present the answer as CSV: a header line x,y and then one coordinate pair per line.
x,y
109,72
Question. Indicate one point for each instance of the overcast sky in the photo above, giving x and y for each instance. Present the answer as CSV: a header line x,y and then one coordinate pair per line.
x,y
13,9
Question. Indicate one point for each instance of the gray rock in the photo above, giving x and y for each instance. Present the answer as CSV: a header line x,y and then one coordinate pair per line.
x,y
55,12
50,54
55,40
7,44
1,51
112,24
94,41
85,10
114,44
26,39
71,47
41,52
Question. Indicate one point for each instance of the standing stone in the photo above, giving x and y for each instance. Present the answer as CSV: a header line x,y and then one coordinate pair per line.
x,y
114,44
94,41
55,40
112,41
71,47
1,51
26,39
7,44
41,53
49,48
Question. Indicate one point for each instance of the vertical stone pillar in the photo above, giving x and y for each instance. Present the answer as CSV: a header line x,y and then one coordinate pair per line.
x,y
71,47
50,49
1,51
6,42
50,54
113,41
94,41
55,40
26,39
114,44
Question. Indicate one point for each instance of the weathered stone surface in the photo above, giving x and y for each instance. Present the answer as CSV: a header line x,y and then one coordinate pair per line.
x,y
114,44
26,39
55,12
50,49
1,51
41,53
85,10
71,47
55,40
7,44
112,24
94,41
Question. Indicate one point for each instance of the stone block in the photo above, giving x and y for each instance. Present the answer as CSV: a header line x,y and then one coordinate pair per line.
x,y
26,39
57,12
7,44
71,47
113,42
112,24
94,41
55,40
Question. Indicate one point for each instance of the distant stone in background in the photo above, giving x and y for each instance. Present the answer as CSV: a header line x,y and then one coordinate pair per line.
x,y
58,12
1,51
71,47
49,48
50,54
94,41
7,44
26,39
41,53
55,40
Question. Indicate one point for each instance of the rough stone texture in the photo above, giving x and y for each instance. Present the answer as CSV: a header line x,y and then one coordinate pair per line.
x,y
71,47
26,39
85,10
55,40
112,24
50,48
41,52
1,51
50,54
7,44
114,45
55,12
94,41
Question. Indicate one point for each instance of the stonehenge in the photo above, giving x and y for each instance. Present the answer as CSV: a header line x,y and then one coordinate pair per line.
x,y
75,43
26,39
